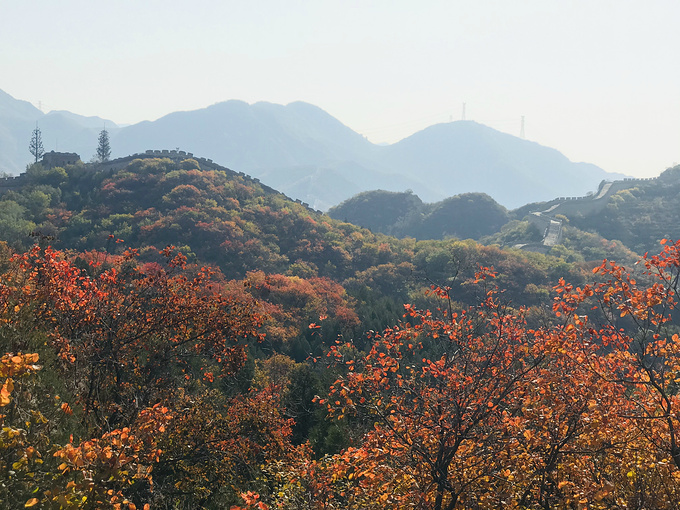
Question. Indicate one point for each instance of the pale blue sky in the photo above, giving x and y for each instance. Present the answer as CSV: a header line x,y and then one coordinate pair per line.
x,y
598,80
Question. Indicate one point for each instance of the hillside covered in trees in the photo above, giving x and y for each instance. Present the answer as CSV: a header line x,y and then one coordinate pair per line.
x,y
465,216
636,213
236,225
640,215
179,337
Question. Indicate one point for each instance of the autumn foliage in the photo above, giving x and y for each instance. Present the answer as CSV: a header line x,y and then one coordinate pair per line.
x,y
472,409
133,385
136,349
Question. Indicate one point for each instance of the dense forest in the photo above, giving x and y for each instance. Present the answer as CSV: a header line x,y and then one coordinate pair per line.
x,y
175,338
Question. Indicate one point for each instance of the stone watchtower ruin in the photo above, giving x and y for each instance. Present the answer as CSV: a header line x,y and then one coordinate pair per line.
x,y
54,159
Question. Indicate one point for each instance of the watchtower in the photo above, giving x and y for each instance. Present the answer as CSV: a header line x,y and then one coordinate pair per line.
x,y
53,159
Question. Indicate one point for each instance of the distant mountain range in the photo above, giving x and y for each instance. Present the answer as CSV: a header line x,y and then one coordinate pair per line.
x,y
308,154
61,131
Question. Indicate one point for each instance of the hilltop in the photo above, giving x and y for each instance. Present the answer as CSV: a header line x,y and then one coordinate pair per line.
x,y
465,216
637,213
308,154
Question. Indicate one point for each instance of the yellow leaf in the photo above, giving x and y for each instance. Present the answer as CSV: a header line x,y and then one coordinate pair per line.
x,y
31,502
5,392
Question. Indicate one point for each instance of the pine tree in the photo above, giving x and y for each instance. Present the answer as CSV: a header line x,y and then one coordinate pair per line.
x,y
103,149
36,145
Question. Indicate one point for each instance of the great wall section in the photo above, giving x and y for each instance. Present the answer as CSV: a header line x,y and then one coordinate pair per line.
x,y
546,219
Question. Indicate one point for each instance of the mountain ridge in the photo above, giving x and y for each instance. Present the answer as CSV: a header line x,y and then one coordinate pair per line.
x,y
329,160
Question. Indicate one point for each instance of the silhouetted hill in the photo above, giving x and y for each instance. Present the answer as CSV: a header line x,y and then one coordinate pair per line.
x,y
15,109
466,216
310,155
17,120
92,122
383,211
468,157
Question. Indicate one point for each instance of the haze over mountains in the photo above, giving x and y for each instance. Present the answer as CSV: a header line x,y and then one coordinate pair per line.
x,y
62,131
306,153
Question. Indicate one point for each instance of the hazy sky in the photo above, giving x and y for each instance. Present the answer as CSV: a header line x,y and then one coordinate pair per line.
x,y
598,80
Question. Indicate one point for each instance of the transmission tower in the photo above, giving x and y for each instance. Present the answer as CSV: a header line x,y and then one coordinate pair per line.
x,y
521,131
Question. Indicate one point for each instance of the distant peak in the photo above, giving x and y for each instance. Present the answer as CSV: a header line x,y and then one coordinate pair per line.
x,y
227,103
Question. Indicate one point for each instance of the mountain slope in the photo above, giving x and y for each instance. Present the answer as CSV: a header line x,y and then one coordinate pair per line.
x,y
310,155
219,217
17,120
639,216
327,161
250,137
274,142
15,109
468,157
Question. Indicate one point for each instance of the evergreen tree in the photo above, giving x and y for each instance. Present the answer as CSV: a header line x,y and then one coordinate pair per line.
x,y
103,149
36,145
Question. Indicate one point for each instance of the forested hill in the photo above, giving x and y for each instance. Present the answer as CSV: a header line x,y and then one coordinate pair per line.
x,y
640,215
465,216
239,225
